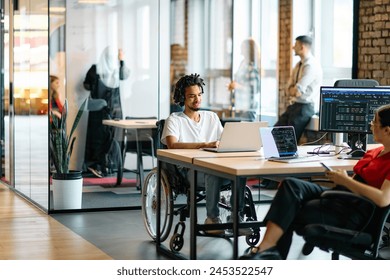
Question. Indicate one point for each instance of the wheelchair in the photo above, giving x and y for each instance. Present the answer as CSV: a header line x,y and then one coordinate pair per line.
x,y
172,186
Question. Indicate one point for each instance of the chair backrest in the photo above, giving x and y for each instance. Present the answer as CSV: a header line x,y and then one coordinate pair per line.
x,y
160,127
356,83
176,178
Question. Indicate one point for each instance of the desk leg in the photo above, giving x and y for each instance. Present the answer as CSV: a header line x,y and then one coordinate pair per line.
x,y
140,165
193,214
121,167
235,216
158,206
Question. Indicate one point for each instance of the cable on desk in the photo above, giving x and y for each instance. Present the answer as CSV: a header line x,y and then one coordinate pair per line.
x,y
315,141
323,150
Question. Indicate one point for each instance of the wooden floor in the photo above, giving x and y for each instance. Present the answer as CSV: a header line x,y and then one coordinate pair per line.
x,y
27,233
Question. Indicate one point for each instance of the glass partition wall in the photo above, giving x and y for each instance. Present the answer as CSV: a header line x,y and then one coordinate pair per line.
x,y
66,38
24,129
107,52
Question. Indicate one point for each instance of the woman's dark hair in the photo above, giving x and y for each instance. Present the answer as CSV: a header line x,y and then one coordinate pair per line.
x,y
185,82
53,93
384,115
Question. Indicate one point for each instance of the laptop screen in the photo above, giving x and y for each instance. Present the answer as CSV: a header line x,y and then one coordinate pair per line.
x,y
279,141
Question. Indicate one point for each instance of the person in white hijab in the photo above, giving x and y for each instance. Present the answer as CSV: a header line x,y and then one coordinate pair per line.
x,y
102,80
108,67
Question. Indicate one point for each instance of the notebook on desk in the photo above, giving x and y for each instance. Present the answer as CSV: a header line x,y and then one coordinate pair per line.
x,y
280,144
239,137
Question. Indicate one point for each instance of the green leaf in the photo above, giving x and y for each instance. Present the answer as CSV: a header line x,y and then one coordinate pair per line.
x,y
61,145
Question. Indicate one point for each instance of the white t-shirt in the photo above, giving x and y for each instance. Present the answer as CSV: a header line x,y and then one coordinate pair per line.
x,y
179,125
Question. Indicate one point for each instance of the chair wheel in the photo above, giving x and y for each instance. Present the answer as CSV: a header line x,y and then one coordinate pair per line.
x,y
253,239
176,243
307,249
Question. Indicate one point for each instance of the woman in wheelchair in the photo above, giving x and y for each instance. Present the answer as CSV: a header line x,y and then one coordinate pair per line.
x,y
195,129
297,202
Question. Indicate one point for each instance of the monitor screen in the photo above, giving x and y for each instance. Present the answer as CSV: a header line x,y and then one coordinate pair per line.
x,y
350,110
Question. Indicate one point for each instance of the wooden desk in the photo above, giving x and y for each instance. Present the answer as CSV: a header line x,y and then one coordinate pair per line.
x,y
232,166
256,166
137,125
132,124
187,156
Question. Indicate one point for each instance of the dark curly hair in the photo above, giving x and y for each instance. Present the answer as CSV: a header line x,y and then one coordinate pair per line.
x,y
185,82
384,115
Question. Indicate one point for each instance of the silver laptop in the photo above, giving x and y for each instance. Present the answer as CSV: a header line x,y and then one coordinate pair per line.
x,y
240,137
280,144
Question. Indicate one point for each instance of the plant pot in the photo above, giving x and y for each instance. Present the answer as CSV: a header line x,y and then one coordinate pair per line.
x,y
67,190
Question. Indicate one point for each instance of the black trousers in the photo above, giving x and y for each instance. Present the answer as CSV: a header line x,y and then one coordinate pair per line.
x,y
298,203
297,115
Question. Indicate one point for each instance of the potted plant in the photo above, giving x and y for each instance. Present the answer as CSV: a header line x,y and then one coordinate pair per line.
x,y
67,184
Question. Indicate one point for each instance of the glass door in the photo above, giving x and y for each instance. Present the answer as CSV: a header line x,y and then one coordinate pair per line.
x,y
24,131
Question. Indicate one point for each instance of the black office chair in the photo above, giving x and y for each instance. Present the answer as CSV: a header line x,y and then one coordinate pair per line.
x,y
356,83
173,185
363,244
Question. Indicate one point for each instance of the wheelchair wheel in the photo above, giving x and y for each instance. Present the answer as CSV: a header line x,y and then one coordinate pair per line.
x,y
176,243
254,238
149,205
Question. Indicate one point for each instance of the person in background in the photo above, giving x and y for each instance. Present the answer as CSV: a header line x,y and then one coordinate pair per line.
x,y
194,129
55,103
303,91
297,202
245,87
102,80
303,88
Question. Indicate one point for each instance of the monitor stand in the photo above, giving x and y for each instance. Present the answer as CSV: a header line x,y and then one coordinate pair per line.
x,y
339,138
358,144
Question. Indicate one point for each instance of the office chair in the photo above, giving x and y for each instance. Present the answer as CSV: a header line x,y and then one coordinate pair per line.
x,y
173,185
356,83
363,244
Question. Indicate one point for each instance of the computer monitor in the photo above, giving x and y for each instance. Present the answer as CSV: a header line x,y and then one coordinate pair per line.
x,y
350,110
